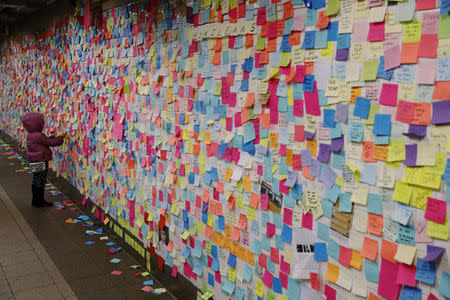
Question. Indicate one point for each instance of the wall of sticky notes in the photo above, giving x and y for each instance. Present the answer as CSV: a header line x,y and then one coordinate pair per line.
x,y
263,149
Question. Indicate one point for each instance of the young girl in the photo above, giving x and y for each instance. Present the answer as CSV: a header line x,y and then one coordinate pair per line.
x,y
38,145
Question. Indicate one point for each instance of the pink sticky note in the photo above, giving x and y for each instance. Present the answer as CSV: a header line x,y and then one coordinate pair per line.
x,y
307,220
432,297
287,216
345,256
430,22
116,272
267,279
428,45
406,275
376,32
425,4
329,292
174,271
387,286
270,229
284,266
312,102
420,231
264,201
389,94
360,30
426,71
436,210
392,57
300,72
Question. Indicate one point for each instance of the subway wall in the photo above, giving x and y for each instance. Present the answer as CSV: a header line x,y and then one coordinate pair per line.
x,y
262,149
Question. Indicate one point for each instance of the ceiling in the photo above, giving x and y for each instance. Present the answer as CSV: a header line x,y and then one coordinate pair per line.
x,y
13,10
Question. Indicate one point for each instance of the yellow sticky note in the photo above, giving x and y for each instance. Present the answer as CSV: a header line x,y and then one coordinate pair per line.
x,y
232,275
420,197
328,51
397,150
285,59
412,31
332,273
405,253
438,231
370,70
259,289
402,192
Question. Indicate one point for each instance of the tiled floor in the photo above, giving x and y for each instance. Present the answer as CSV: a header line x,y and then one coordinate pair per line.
x,y
27,271
71,268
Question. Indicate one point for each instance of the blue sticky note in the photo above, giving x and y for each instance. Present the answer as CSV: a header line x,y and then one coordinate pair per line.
x,y
362,107
249,132
406,234
277,285
286,234
293,288
345,203
444,285
327,207
309,41
232,260
322,231
148,282
311,17
374,203
410,293
308,84
381,73
356,131
328,118
89,243
332,31
332,193
211,279
333,249
320,252
343,41
382,125
369,174
320,41
426,271
371,270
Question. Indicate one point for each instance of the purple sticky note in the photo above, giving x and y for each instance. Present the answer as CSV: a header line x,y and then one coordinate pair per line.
x,y
411,155
309,135
341,54
433,252
341,114
314,169
417,131
328,177
324,153
336,144
306,157
292,179
441,112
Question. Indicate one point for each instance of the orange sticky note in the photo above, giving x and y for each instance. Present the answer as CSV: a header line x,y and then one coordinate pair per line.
x,y
372,296
441,90
370,248
388,250
409,53
374,224
312,145
368,151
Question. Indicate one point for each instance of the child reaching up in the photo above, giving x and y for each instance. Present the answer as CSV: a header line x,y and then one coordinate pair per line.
x,y
39,153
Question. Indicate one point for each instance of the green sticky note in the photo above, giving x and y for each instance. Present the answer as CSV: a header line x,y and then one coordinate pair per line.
x,y
370,70
444,27
333,7
260,43
285,59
